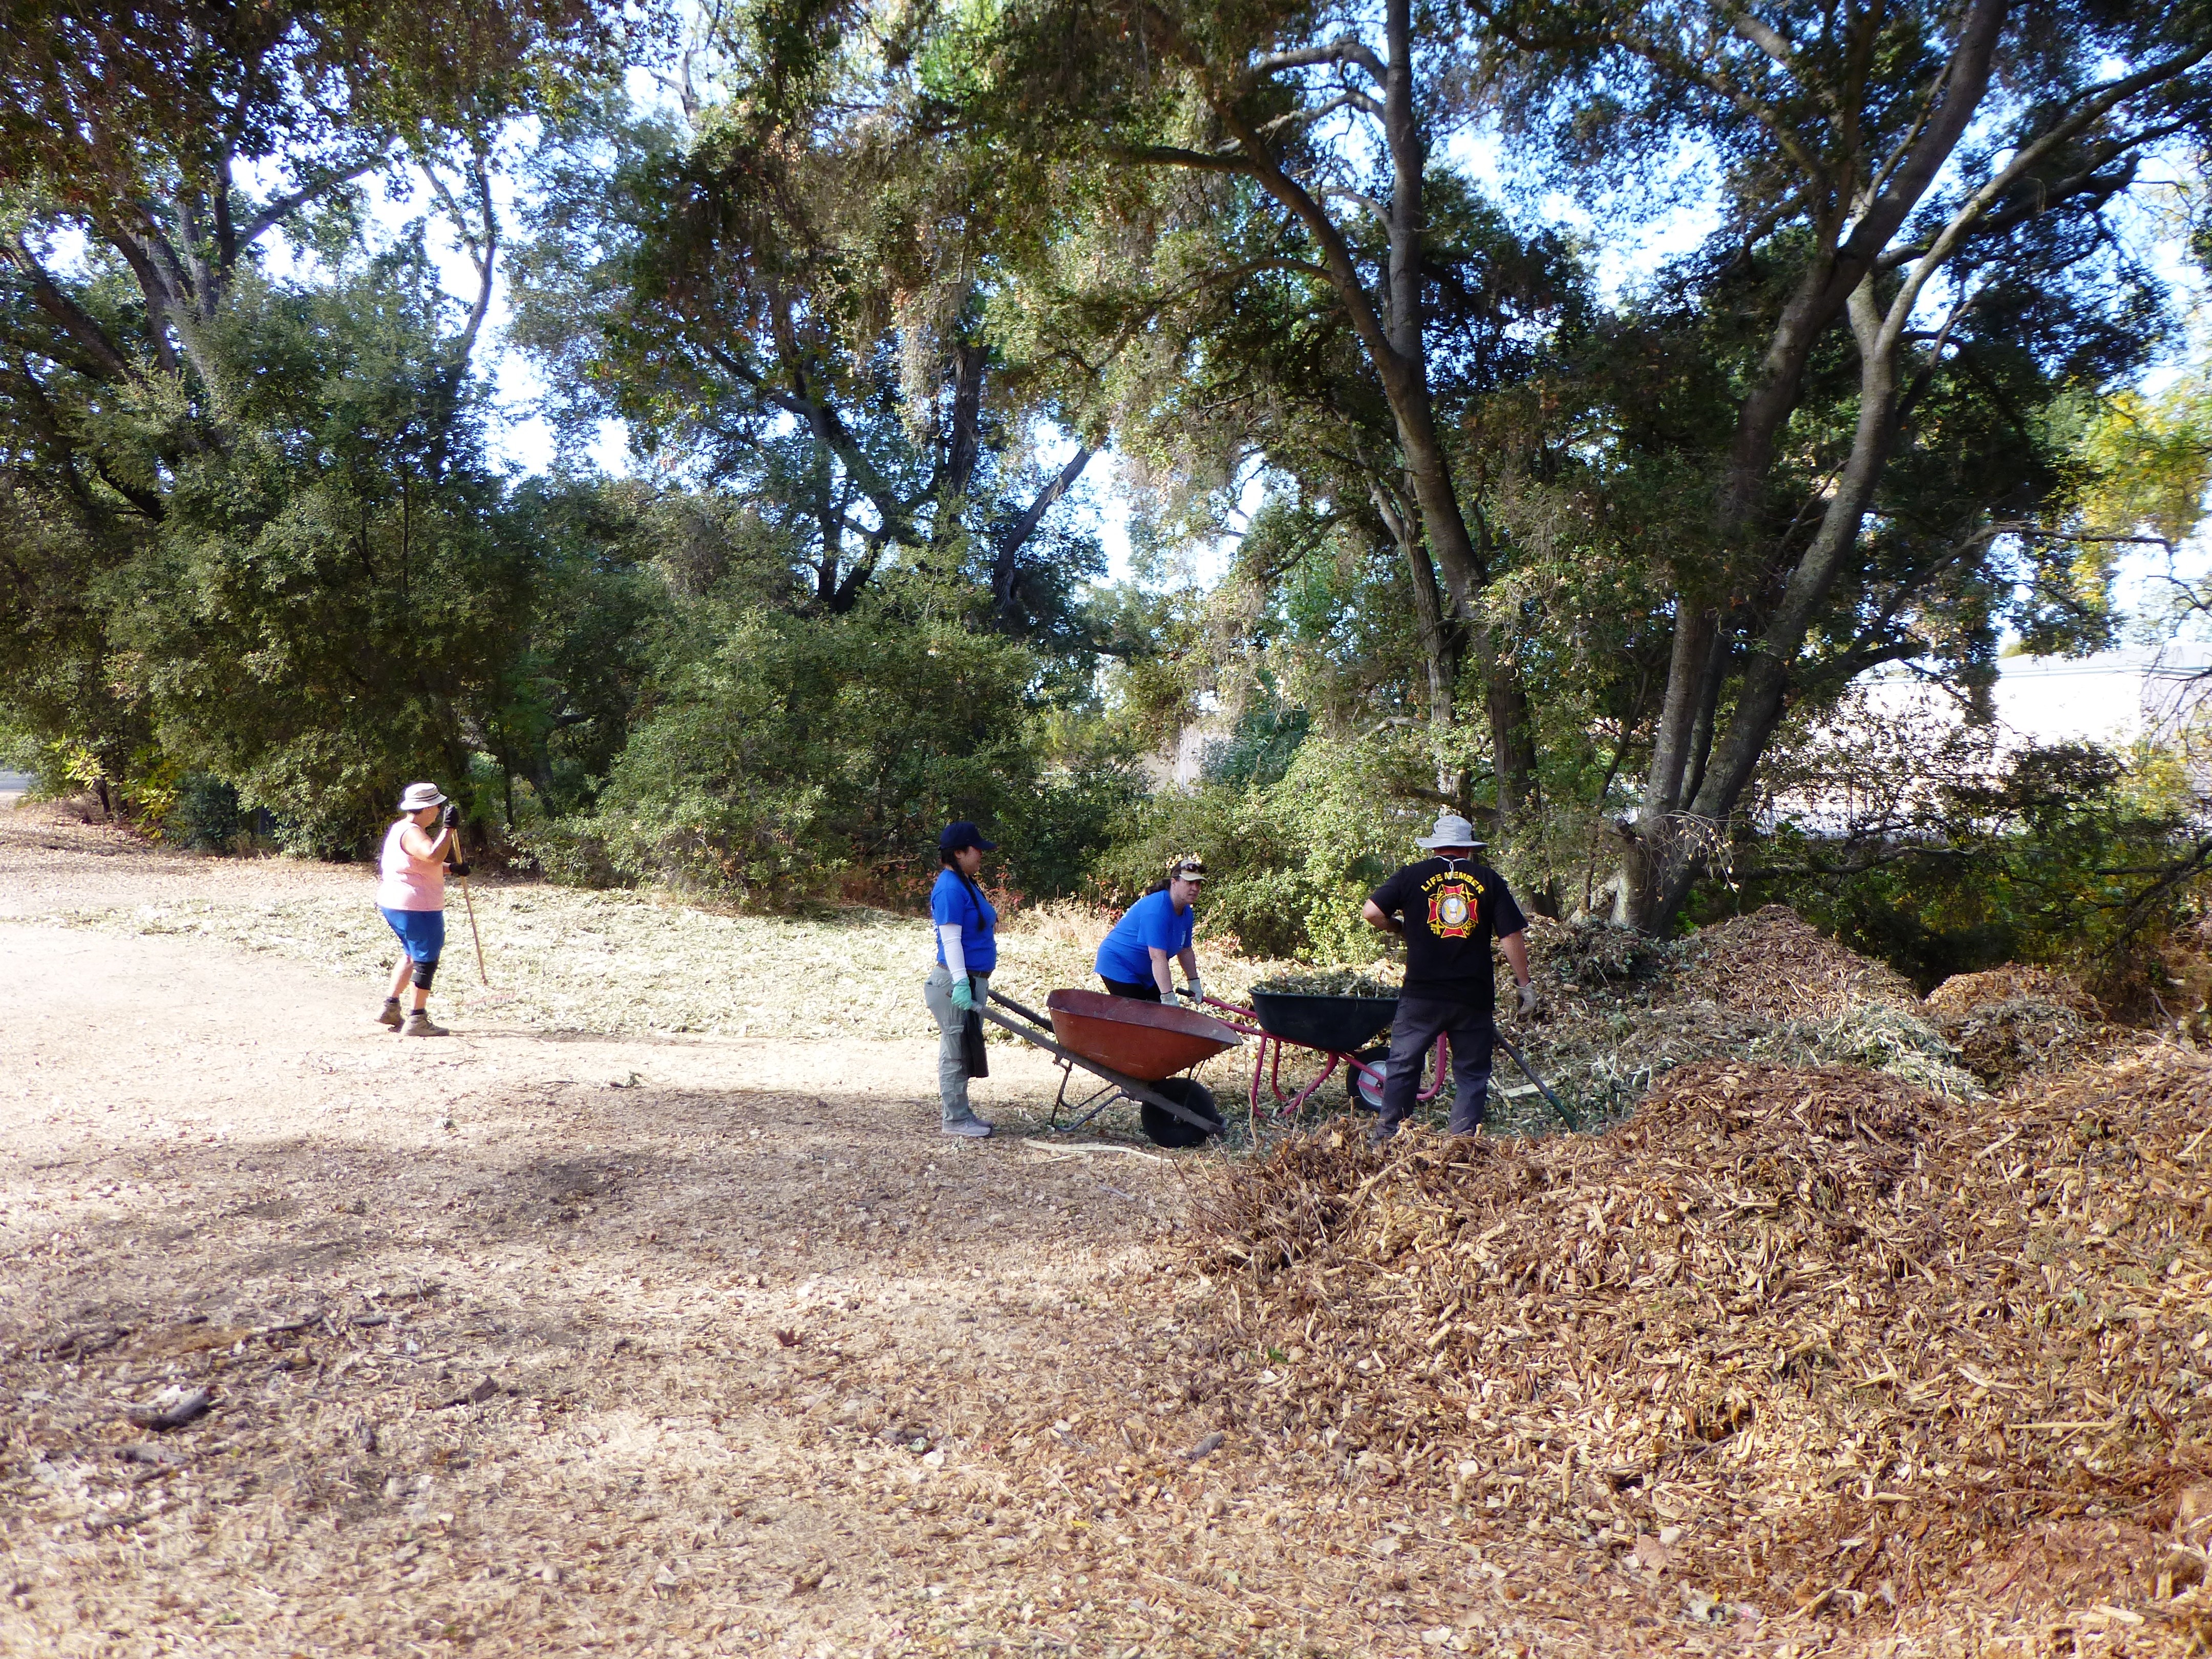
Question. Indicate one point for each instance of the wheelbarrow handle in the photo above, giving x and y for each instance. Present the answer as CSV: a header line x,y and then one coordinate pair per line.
x,y
1029,1014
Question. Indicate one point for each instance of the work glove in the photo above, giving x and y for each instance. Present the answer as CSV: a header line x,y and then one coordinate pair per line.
x,y
1528,999
1169,999
452,815
963,994
460,866
1197,992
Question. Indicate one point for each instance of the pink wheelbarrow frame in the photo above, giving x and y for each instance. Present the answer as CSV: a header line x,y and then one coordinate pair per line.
x,y
1267,1063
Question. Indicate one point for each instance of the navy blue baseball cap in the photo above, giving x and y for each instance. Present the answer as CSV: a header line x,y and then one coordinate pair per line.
x,y
964,834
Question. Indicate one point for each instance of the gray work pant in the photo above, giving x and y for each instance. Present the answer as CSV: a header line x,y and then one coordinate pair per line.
x,y
952,1064
1413,1032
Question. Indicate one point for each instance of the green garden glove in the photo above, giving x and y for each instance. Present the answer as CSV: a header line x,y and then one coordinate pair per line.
x,y
963,994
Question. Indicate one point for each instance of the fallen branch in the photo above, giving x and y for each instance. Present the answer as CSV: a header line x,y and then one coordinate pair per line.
x,y
1077,1150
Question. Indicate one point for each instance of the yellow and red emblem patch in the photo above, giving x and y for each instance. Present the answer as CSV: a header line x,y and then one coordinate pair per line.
x,y
1451,912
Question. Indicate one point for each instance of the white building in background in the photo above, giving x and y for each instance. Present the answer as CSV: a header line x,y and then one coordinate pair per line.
x,y
2111,698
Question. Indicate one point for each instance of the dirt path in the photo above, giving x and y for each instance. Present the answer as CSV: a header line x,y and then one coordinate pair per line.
x,y
520,1342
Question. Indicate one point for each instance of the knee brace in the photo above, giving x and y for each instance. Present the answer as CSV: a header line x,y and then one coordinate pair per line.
x,y
424,972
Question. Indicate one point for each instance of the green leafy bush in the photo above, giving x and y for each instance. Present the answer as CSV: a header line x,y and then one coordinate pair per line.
x,y
799,756
1293,859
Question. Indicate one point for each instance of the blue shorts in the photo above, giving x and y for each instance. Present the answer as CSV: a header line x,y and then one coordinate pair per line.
x,y
423,932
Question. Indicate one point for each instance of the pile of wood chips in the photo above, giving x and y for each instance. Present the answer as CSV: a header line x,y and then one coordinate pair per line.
x,y
1962,993
1805,1337
2007,1022
1774,962
1619,1010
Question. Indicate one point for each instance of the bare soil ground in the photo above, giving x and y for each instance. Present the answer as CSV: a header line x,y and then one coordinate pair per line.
x,y
579,1331
549,1341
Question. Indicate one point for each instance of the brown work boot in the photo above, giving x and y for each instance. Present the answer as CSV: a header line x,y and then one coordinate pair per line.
x,y
419,1024
390,1014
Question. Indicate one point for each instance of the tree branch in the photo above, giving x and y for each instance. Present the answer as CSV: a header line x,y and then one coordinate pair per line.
x,y
1347,50
290,202
1019,533
74,320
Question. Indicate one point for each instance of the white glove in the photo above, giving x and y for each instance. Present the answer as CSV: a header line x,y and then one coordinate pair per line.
x,y
1528,999
1197,991
1169,999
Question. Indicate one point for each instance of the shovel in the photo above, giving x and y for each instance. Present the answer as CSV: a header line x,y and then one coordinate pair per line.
x,y
1543,1088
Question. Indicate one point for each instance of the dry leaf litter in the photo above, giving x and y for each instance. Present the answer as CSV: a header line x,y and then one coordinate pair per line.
x,y
1820,1345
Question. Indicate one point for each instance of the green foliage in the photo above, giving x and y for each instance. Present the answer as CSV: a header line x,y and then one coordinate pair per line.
x,y
791,311
19,750
331,593
1290,862
2070,854
792,755
207,814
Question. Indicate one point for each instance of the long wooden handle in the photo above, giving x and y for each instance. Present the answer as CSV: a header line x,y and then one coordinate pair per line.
x,y
482,977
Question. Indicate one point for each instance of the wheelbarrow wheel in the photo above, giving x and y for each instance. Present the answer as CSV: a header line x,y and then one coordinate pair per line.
x,y
1366,1092
1164,1129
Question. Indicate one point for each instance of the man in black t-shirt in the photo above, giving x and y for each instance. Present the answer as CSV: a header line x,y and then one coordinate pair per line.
x,y
1452,906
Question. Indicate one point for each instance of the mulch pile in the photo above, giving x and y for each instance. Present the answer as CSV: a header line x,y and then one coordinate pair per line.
x,y
2011,1022
1962,993
1774,962
1620,1011
1803,1338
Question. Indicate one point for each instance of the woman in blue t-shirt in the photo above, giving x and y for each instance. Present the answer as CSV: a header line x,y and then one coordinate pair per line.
x,y
967,952
1133,959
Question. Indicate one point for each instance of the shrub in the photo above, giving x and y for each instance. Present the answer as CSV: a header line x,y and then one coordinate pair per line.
x,y
795,750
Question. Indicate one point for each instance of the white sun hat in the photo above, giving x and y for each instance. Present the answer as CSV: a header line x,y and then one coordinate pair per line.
x,y
1451,831
420,795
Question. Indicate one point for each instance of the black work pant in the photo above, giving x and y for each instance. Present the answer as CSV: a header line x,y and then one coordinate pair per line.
x,y
1147,992
1413,1032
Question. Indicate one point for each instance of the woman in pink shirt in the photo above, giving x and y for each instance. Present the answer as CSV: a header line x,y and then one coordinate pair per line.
x,y
411,891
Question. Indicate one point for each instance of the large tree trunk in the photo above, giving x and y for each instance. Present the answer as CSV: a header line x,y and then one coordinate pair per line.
x,y
1442,640
1392,336
1428,467
1763,697
1666,847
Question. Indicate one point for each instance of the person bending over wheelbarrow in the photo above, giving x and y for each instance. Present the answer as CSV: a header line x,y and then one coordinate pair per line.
x,y
1447,908
1132,959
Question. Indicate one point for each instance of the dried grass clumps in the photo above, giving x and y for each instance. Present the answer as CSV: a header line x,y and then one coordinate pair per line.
x,y
1848,1338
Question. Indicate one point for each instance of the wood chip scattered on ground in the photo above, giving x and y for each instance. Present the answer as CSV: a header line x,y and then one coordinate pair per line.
x,y
1843,1348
